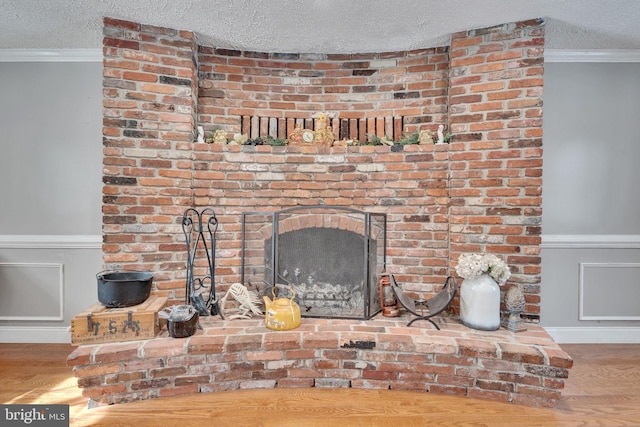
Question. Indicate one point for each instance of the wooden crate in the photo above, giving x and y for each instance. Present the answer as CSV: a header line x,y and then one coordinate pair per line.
x,y
99,324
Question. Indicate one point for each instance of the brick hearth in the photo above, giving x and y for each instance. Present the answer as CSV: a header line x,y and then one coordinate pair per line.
x,y
526,368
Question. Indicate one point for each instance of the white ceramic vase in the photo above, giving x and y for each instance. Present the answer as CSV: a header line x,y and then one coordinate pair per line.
x,y
480,303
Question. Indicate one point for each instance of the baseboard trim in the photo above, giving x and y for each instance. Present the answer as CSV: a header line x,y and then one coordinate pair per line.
x,y
595,335
35,334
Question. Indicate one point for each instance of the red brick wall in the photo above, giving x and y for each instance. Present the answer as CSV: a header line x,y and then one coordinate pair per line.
x,y
410,84
495,113
149,114
480,193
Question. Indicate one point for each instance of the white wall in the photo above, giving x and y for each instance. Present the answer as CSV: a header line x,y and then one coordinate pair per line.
x,y
592,148
51,121
50,196
591,202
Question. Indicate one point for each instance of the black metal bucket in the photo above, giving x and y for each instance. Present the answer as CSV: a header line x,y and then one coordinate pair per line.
x,y
123,288
182,320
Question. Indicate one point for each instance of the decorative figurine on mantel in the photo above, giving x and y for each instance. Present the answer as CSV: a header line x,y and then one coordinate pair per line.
x,y
514,302
425,137
200,134
239,139
323,134
295,137
441,134
220,136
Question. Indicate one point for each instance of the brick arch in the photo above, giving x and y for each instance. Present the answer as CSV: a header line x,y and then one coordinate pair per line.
x,y
310,220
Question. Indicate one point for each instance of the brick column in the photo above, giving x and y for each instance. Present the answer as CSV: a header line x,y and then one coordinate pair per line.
x,y
149,105
495,115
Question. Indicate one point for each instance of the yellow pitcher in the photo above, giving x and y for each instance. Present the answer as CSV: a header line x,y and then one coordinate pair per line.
x,y
281,314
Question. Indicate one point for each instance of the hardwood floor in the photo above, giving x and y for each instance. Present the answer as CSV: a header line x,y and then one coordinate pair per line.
x,y
603,389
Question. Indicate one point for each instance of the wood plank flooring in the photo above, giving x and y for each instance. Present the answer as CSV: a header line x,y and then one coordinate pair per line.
x,y
603,390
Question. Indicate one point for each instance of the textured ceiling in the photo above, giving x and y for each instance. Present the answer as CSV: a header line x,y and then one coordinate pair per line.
x,y
327,26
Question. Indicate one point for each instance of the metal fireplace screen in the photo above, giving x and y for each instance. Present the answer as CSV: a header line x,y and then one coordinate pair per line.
x,y
332,258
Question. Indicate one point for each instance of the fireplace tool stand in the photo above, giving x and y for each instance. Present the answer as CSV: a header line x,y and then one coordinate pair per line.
x,y
196,233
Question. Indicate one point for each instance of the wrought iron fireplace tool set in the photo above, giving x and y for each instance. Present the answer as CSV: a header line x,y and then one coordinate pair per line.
x,y
199,230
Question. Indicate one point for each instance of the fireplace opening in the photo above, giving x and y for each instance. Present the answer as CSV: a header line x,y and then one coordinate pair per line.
x,y
332,258
321,265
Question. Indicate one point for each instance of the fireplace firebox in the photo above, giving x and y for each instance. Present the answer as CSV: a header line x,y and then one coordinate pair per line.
x,y
332,258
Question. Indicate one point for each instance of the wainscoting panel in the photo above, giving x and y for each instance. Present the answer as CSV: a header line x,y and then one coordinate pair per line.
x,y
609,291
31,291
590,288
45,280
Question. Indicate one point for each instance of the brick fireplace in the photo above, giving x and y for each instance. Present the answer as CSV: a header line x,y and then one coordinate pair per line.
x,y
479,193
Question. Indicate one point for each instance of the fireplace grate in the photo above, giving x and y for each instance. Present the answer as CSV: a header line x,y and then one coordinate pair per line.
x,y
332,257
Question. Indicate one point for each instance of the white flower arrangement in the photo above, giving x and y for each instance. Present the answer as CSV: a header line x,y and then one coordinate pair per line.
x,y
471,266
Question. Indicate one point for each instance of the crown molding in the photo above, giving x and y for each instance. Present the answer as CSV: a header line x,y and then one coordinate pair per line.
x,y
51,55
595,55
95,55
